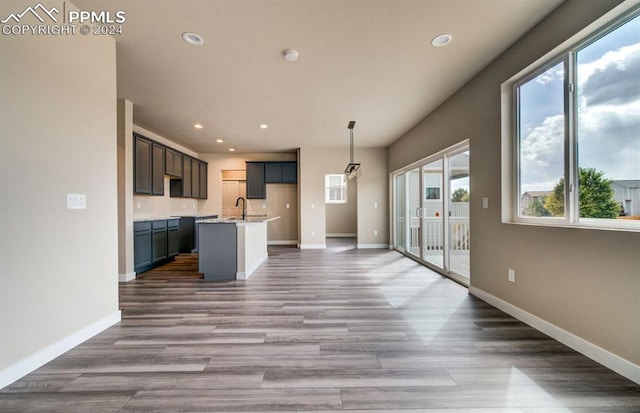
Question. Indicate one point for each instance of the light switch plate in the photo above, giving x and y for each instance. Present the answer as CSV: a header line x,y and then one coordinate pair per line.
x,y
76,201
485,202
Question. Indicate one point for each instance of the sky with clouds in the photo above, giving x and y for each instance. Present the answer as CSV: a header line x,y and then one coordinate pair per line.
x,y
608,99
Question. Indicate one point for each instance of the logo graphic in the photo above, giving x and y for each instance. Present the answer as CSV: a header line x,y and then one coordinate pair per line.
x,y
34,11
68,23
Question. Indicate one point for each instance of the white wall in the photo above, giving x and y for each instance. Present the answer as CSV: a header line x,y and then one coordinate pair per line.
x,y
59,281
582,282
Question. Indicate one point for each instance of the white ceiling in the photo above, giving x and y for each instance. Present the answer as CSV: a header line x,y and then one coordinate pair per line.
x,y
365,60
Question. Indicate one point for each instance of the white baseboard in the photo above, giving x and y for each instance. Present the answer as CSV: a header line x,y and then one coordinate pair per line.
x,y
244,275
342,235
372,246
123,278
313,246
45,355
286,242
612,361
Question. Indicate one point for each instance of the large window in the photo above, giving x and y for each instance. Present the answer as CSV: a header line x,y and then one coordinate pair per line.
x,y
577,133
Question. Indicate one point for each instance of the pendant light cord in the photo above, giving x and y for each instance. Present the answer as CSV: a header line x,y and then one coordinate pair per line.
x,y
351,148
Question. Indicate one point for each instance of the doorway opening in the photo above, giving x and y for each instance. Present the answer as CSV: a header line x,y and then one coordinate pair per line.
x,y
341,212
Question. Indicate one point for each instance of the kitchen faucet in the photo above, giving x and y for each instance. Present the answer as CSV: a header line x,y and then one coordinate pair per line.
x,y
244,207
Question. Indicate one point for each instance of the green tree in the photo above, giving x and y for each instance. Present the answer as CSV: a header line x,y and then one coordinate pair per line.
x,y
537,209
595,192
554,203
460,195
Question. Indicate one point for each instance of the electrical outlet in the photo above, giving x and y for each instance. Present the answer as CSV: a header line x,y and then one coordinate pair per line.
x,y
375,205
511,275
485,202
287,206
375,232
313,233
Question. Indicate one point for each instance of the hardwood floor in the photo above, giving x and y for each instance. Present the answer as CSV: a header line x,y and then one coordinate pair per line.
x,y
340,329
183,266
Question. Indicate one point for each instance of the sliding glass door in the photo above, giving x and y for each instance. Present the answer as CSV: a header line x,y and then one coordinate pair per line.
x,y
413,208
458,228
400,216
431,212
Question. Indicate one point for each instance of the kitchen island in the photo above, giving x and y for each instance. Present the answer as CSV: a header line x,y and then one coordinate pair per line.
x,y
231,249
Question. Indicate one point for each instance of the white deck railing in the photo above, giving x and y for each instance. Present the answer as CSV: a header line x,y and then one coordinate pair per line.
x,y
433,238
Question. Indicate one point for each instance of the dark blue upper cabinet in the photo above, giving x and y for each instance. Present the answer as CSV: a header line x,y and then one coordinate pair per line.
x,y
273,172
289,172
142,165
256,184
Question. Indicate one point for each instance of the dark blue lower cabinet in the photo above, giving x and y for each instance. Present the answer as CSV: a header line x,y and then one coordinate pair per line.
x,y
218,258
154,243
159,241
173,238
142,246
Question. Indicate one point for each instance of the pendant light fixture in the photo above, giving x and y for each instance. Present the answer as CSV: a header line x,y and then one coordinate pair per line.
x,y
352,171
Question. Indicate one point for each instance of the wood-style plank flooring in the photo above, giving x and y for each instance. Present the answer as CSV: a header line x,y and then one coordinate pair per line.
x,y
340,329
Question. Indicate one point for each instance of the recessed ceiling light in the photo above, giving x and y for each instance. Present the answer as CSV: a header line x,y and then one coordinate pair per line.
x,y
231,150
441,40
198,126
193,38
290,55
264,126
219,140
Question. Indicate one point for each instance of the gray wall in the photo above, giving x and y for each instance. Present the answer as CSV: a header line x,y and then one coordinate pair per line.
x,y
584,281
58,116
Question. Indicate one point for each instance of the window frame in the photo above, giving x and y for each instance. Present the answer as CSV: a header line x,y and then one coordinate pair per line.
x,y
511,139
328,188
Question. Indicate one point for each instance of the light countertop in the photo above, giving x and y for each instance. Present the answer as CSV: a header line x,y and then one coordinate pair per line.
x,y
172,217
154,219
248,220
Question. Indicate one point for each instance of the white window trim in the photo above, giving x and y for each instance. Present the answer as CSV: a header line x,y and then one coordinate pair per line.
x,y
509,168
327,188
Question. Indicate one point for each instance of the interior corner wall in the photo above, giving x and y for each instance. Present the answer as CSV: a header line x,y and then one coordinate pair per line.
x,y
584,282
59,281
